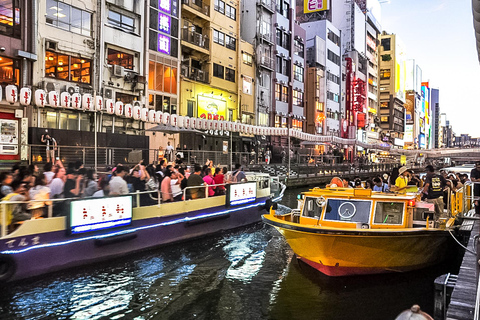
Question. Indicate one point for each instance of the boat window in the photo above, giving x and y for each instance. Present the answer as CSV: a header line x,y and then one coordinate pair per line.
x,y
348,210
389,213
311,208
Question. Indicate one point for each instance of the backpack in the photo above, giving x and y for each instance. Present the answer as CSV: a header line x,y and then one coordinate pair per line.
x,y
232,177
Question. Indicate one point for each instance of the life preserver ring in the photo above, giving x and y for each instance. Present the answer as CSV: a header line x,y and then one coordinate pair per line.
x,y
8,267
336,182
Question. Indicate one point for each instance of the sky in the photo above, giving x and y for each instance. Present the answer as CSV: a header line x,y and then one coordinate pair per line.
x,y
439,35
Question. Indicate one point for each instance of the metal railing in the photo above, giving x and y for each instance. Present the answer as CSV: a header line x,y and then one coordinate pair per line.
x,y
265,61
194,74
269,4
198,39
198,5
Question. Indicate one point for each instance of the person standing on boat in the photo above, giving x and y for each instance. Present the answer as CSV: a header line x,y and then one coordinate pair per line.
x,y
402,181
433,188
194,180
117,184
475,177
238,175
209,180
166,187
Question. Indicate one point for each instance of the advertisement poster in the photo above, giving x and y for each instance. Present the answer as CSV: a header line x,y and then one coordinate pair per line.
x,y
315,5
8,131
241,193
211,108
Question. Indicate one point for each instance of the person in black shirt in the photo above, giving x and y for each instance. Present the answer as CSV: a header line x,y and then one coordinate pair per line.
x,y
72,187
433,188
475,177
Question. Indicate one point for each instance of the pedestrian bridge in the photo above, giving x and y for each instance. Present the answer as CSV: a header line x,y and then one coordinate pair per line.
x,y
459,155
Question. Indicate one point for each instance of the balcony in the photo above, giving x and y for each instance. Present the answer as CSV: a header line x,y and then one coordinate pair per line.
x,y
267,4
194,74
266,62
265,36
198,6
195,38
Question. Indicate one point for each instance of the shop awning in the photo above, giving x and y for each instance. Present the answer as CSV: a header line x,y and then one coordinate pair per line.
x,y
172,129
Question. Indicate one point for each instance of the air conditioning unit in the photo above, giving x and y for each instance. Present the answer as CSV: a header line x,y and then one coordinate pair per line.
x,y
51,86
118,71
72,89
108,94
51,45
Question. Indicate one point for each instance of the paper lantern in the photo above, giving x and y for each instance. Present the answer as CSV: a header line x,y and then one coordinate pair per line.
x,y
144,114
110,106
186,122
137,110
235,127
65,100
53,99
229,126
152,116
221,125
40,98
76,101
174,120
166,118
198,123
216,125
25,96
128,110
99,103
209,124
11,93
181,121
159,116
87,102
119,108
204,124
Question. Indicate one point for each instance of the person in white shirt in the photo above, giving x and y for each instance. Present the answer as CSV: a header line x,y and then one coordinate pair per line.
x,y
56,186
169,152
176,180
47,171
117,184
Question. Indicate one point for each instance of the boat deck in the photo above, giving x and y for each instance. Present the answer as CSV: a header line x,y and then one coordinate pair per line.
x,y
464,295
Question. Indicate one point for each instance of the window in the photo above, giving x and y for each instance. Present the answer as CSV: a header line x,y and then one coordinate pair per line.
x,y
64,67
162,77
297,98
218,37
231,12
348,210
386,44
332,96
247,58
119,58
333,78
230,42
298,48
217,70
219,6
333,37
286,8
333,57
286,41
279,64
64,16
286,67
121,21
285,94
384,74
9,71
298,73
389,213
230,74
279,37
278,91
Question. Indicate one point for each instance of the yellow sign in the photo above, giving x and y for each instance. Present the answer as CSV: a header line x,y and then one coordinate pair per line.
x,y
315,5
403,160
211,108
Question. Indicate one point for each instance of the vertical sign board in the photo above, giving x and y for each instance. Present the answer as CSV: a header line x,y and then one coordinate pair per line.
x,y
241,193
99,214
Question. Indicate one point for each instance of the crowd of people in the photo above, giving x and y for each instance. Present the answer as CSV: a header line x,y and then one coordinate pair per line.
x,y
167,180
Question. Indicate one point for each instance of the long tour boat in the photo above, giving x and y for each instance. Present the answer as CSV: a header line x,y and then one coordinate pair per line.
x,y
96,229
346,231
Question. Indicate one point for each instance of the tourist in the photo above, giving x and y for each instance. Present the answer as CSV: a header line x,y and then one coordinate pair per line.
x,y
176,182
393,178
91,185
379,185
117,184
51,146
195,180
47,171
6,179
169,152
58,181
433,188
73,185
475,177
16,213
166,187
402,181
209,181
103,188
39,192
238,175
219,179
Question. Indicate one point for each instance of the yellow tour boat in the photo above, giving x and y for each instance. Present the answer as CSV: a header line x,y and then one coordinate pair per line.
x,y
346,231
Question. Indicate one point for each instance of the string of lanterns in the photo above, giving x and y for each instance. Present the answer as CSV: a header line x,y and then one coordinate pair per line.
x,y
88,102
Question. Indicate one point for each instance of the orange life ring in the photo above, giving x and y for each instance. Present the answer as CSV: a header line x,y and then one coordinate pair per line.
x,y
338,182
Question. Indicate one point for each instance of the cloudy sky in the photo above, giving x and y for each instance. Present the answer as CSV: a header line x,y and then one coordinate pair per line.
x,y
439,35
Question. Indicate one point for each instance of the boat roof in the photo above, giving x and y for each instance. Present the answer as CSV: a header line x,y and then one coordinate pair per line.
x,y
357,192
466,168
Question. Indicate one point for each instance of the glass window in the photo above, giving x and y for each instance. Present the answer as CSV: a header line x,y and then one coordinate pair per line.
x,y
9,71
67,68
389,212
286,8
85,121
121,21
231,12
385,74
285,94
230,74
278,91
51,120
218,71
279,64
348,210
298,73
159,77
168,79
247,58
219,6
115,57
298,48
386,44
286,41
230,42
279,37
68,121
218,37
67,17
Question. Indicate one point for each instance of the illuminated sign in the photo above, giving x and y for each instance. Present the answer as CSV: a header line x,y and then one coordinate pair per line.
x,y
241,193
164,23
163,44
99,214
211,108
164,5
315,5
408,136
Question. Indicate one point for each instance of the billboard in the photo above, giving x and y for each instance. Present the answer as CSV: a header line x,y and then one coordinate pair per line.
x,y
360,31
241,193
408,136
315,5
410,107
211,108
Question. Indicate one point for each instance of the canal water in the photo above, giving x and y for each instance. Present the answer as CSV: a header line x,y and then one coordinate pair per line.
x,y
249,273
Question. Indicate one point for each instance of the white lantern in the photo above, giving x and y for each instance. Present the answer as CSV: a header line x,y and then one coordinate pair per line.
x,y
229,126
25,96
186,122
119,108
144,114
174,120
137,110
204,124
216,125
110,106
234,126
152,116
99,103
166,118
53,99
77,101
65,100
158,117
40,98
198,123
11,93
193,123
181,121
87,102
209,124
128,110
221,125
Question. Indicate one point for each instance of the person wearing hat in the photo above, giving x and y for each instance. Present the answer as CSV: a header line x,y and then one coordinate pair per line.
x,y
402,181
